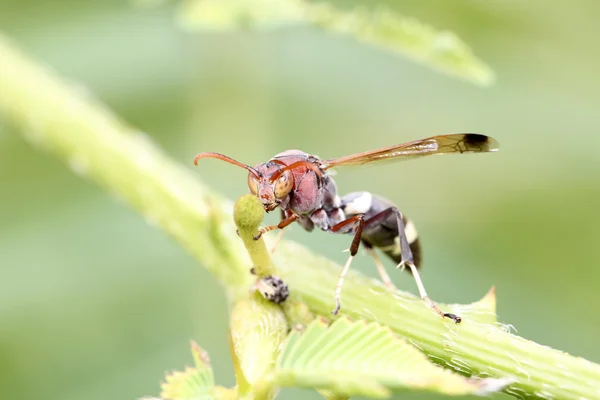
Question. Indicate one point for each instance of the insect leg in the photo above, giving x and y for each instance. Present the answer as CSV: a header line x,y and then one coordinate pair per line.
x,y
284,215
423,294
357,221
276,241
381,269
282,224
407,257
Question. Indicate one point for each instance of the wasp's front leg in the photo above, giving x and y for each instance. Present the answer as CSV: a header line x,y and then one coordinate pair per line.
x,y
282,224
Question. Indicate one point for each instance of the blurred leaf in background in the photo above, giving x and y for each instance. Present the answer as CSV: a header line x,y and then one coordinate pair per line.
x,y
236,14
379,26
95,303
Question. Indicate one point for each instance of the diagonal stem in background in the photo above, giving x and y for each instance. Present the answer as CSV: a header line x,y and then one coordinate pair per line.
x,y
89,138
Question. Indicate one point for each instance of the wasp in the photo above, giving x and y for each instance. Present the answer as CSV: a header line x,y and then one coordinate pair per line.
x,y
301,185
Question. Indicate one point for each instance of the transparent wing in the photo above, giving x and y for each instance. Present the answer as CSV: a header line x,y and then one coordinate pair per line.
x,y
442,144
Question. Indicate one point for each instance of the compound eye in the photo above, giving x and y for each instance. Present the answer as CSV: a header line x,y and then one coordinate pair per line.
x,y
252,183
284,184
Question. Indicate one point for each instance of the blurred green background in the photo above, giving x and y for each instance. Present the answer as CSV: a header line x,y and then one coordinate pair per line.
x,y
95,303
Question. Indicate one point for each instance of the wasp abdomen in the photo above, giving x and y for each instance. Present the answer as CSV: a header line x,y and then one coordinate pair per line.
x,y
383,234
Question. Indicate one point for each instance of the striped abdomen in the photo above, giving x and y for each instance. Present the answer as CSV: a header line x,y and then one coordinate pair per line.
x,y
382,234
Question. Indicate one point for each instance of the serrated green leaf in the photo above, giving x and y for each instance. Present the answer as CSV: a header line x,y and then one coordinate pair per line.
x,y
362,359
482,311
193,383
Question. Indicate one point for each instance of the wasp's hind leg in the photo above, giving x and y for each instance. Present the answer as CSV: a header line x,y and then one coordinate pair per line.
x,y
407,256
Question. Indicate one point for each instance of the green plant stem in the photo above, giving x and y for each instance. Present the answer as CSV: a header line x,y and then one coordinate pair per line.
x,y
470,348
94,143
257,331
97,145
248,219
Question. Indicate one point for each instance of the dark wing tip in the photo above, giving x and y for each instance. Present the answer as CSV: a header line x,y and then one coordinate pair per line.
x,y
479,141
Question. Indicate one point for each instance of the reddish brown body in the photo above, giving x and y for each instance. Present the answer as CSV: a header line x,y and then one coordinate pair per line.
x,y
298,183
313,197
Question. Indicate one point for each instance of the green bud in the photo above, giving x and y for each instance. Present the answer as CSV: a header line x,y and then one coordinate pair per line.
x,y
248,213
